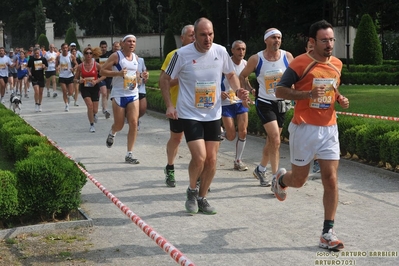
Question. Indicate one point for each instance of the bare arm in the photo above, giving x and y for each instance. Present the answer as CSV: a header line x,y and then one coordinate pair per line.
x,y
164,84
249,68
106,69
235,85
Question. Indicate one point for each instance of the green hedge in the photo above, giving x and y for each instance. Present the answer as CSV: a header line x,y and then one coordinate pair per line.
x,y
44,184
8,195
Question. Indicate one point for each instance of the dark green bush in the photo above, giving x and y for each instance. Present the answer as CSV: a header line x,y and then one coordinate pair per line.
x,y
11,129
8,195
153,63
389,149
155,100
42,40
367,48
48,185
23,142
169,42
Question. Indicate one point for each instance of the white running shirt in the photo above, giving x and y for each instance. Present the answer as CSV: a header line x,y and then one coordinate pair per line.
x,y
200,77
50,56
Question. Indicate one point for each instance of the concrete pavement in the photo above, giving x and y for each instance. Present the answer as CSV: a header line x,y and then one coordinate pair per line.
x,y
251,226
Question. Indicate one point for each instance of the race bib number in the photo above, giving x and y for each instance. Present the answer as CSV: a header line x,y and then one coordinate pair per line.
x,y
205,92
88,82
102,61
324,102
64,67
272,77
130,80
38,64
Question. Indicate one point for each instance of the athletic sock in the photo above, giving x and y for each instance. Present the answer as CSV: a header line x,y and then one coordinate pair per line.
x,y
240,145
328,224
262,168
170,167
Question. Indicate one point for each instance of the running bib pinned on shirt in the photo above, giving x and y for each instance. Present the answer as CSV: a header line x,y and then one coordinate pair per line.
x,y
3,66
88,82
38,64
272,77
205,92
64,66
325,101
130,80
102,61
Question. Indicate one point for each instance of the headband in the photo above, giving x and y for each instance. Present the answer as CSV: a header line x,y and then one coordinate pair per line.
x,y
272,32
128,36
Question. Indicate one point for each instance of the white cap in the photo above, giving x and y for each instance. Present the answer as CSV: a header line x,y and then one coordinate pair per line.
x,y
11,50
72,44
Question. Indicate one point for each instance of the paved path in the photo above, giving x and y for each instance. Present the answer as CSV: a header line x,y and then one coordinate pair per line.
x,y
251,226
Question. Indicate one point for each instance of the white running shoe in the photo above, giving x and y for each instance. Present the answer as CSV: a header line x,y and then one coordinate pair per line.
x,y
67,108
92,129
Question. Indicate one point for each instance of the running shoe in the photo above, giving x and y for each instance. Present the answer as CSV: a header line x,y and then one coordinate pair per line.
x,y
40,107
36,107
264,182
107,114
222,134
48,93
75,103
279,192
170,177
330,241
110,140
54,94
26,96
205,207
129,159
316,167
67,108
92,129
240,166
191,202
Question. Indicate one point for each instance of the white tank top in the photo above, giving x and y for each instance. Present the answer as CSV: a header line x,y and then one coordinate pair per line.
x,y
268,74
65,66
128,85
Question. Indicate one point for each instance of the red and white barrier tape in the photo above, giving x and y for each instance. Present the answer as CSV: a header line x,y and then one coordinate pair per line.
x,y
176,254
391,118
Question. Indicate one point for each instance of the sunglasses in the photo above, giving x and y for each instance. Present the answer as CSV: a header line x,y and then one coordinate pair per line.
x,y
88,53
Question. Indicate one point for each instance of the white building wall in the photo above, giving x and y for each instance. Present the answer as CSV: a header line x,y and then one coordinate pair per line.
x,y
146,46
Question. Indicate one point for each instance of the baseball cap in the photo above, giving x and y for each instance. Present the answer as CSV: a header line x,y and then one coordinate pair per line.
x,y
11,50
72,44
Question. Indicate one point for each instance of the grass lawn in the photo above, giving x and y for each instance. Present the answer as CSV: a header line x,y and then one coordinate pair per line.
x,y
371,99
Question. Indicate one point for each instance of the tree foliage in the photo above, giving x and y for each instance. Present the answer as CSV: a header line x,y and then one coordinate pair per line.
x,y
169,42
367,47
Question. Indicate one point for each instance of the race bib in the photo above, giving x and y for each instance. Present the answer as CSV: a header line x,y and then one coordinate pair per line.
x,y
205,92
272,77
88,82
2,66
102,61
38,64
130,80
64,67
324,102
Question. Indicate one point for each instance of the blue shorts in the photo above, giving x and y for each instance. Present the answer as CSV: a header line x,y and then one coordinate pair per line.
x,y
124,101
233,110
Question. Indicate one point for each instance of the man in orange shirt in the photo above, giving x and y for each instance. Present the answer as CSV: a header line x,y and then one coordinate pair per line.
x,y
313,129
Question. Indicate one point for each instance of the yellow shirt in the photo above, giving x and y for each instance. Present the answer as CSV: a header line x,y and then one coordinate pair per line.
x,y
174,91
